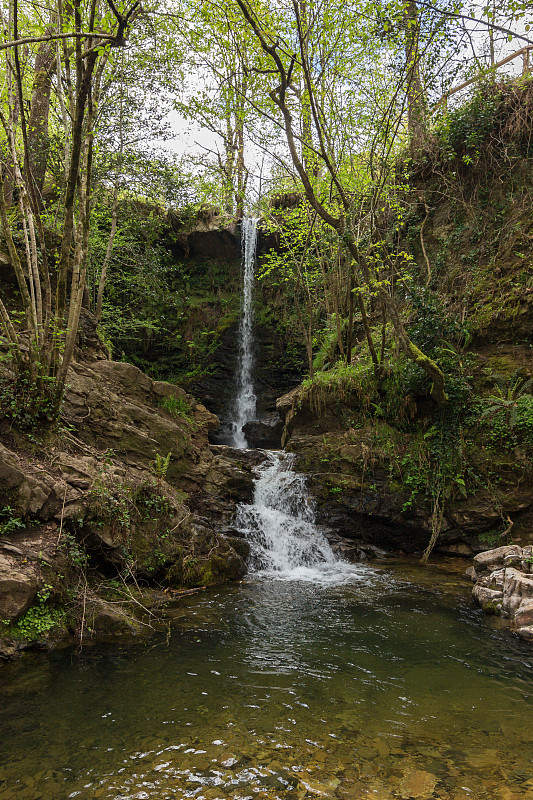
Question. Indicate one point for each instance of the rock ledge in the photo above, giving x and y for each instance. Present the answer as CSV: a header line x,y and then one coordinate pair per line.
x,y
504,585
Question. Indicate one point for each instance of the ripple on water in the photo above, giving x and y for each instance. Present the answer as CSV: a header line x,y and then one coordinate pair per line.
x,y
351,689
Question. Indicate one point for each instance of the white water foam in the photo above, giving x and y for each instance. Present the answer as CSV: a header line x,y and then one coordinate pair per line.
x,y
286,543
245,401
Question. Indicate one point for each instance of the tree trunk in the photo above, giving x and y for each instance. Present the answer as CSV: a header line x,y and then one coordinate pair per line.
x,y
38,139
107,258
308,156
416,98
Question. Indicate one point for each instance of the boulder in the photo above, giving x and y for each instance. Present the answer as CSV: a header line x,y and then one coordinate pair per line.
x,y
516,588
288,401
21,488
490,600
265,433
503,587
524,613
19,583
108,620
113,405
494,559
526,632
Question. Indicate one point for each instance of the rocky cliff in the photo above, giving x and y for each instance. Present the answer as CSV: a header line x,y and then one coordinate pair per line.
x,y
106,518
369,487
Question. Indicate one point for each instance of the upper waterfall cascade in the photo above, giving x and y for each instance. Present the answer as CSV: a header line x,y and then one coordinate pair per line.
x,y
245,401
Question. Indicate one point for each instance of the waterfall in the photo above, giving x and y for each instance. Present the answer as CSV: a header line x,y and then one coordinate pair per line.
x,y
280,526
280,523
245,401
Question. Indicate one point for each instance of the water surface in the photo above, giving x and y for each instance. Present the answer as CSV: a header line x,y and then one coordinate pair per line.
x,y
282,689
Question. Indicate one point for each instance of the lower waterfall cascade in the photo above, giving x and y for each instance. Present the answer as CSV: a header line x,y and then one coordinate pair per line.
x,y
281,529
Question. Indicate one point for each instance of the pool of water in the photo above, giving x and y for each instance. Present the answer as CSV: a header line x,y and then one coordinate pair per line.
x,y
376,687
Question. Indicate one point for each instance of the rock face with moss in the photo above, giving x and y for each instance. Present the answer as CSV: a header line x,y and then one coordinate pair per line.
x,y
396,482
125,499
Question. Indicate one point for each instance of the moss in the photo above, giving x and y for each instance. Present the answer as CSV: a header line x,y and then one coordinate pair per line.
x,y
226,322
206,576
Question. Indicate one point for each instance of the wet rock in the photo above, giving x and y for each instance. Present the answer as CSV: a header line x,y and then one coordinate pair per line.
x,y
351,551
265,433
247,459
526,632
494,559
490,600
240,545
106,620
8,649
19,583
524,613
517,587
502,587
417,785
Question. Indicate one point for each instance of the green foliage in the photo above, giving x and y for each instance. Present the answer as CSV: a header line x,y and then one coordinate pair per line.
x,y
160,465
509,424
9,521
492,538
77,555
494,122
28,401
435,325
176,406
464,129
161,309
352,383
507,414
111,503
39,620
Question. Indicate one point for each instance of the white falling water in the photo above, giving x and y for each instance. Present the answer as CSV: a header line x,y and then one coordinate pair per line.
x,y
245,401
280,526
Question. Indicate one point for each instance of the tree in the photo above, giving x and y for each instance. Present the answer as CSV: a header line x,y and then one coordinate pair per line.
x,y
49,325
220,94
282,59
416,97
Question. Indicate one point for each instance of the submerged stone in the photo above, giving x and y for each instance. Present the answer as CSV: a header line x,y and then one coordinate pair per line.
x,y
417,785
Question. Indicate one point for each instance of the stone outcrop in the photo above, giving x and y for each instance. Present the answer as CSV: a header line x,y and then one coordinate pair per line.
x,y
18,586
360,491
265,432
504,585
129,481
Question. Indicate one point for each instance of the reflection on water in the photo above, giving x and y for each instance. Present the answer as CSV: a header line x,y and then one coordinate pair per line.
x,y
278,689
